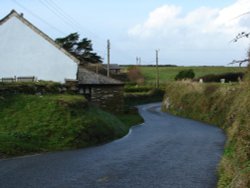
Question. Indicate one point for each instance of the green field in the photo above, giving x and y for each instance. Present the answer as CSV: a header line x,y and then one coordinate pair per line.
x,y
169,73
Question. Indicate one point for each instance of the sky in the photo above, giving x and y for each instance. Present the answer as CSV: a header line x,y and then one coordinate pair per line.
x,y
186,33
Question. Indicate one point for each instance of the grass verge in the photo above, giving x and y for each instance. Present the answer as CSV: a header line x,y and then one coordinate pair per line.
x,y
40,123
227,106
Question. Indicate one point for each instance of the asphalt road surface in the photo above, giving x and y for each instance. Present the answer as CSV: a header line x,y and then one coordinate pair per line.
x,y
164,152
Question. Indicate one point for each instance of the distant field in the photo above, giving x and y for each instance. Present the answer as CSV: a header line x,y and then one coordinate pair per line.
x,y
169,73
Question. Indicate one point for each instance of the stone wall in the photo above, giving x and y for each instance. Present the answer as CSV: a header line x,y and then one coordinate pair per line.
x,y
108,97
38,88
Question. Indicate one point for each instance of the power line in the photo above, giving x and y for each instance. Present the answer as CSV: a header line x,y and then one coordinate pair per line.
x,y
53,4
72,20
53,7
241,15
60,15
38,17
63,13
56,13
74,23
67,18
56,6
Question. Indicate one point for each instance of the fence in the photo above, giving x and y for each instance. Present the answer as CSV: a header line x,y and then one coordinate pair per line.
x,y
19,79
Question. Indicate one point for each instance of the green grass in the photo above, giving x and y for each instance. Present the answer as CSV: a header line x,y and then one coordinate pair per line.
x,y
131,119
169,73
33,123
138,98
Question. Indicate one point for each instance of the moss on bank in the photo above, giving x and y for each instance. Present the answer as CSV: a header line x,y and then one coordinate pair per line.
x,y
227,106
38,123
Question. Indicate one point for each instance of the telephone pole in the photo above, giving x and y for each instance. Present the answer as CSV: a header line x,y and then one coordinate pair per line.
x,y
157,69
108,57
137,60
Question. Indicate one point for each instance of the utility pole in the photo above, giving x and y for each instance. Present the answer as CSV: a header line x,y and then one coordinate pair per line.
x,y
108,57
96,69
157,69
137,60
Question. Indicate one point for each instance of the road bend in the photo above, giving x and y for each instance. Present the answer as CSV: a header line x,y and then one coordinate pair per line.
x,y
164,152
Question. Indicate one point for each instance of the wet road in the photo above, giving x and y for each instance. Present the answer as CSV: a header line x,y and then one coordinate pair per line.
x,y
165,152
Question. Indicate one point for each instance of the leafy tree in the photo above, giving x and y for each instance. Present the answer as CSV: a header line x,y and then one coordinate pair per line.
x,y
185,74
80,48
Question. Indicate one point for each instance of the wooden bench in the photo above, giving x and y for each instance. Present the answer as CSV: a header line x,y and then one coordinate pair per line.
x,y
8,79
26,79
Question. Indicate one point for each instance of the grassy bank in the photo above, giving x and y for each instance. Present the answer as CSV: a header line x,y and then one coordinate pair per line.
x,y
39,123
227,106
137,95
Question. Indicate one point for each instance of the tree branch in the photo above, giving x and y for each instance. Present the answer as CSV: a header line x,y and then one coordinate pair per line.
x,y
240,62
241,35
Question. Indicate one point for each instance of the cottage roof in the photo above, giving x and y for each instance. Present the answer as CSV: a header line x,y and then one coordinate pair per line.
x,y
90,78
112,66
13,13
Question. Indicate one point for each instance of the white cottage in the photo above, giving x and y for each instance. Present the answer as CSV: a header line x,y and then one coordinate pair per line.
x,y
27,51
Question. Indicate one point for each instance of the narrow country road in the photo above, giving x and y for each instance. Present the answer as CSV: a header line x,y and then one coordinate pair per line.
x,y
165,152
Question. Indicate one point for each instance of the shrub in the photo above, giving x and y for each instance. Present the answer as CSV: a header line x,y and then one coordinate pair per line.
x,y
229,77
31,87
185,74
135,75
136,88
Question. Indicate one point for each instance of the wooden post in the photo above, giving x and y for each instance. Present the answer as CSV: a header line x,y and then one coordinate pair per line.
x,y
157,69
108,58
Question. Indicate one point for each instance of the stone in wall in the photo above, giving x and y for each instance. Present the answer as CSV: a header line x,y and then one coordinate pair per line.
x,y
109,97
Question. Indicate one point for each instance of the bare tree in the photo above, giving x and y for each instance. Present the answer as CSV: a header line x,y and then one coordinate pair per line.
x,y
238,37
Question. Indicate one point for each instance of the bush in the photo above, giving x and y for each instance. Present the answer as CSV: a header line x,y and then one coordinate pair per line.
x,y
136,88
185,74
154,95
31,87
229,77
135,75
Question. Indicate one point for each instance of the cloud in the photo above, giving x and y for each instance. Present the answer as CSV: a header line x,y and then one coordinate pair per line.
x,y
199,37
202,24
158,19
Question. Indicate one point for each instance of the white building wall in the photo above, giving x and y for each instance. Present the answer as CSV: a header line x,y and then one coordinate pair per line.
x,y
23,52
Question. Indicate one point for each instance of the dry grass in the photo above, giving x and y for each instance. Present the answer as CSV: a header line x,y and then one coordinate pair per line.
x,y
227,106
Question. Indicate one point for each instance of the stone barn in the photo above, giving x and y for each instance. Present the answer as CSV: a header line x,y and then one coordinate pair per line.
x,y
101,90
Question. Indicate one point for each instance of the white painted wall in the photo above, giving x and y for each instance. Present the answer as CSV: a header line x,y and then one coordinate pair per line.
x,y
23,52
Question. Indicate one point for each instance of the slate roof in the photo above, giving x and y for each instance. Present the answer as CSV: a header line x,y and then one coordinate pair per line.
x,y
87,77
112,66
